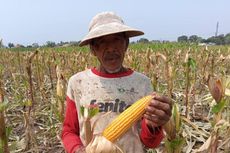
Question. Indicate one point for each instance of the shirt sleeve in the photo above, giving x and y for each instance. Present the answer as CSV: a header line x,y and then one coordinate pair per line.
x,y
70,132
150,139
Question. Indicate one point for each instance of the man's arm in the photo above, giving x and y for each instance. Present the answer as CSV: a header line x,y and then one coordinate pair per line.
x,y
157,114
151,138
70,133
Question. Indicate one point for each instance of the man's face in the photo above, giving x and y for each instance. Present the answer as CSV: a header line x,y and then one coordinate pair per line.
x,y
110,51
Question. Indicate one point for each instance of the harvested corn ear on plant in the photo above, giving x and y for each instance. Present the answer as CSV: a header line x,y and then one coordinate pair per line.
x,y
220,124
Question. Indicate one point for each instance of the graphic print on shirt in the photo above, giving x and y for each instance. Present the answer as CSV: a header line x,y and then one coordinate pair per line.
x,y
115,106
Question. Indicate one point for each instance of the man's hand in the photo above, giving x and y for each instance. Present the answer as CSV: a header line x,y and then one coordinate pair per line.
x,y
158,112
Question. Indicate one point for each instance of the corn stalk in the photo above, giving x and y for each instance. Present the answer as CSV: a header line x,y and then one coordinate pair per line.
x,y
60,93
189,64
148,63
174,142
3,131
30,104
217,90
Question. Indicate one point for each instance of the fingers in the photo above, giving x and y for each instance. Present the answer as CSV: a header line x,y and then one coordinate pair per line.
x,y
157,114
163,99
154,120
159,106
159,111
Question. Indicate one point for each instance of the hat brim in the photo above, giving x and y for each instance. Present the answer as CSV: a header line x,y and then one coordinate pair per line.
x,y
108,29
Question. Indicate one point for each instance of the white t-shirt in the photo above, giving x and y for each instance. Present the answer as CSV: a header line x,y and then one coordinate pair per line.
x,y
112,94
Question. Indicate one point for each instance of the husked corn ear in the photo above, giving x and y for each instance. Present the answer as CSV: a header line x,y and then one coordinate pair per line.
x,y
126,119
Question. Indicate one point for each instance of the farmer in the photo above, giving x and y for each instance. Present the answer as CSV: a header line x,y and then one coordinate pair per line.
x,y
112,87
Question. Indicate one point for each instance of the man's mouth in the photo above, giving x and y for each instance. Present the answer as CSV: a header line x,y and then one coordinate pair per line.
x,y
112,57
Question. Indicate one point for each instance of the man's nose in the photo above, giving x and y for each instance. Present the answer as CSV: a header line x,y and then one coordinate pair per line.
x,y
111,50
111,47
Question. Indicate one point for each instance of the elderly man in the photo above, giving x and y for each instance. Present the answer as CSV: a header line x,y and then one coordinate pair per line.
x,y
113,88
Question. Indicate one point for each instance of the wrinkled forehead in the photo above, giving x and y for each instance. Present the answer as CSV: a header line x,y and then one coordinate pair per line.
x,y
108,37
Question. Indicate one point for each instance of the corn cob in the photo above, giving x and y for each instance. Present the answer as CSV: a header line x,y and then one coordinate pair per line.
x,y
126,119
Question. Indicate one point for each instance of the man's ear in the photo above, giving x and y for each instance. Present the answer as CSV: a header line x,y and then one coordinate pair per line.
x,y
127,43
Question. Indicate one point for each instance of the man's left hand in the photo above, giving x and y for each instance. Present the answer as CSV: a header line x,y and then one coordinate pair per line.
x,y
158,112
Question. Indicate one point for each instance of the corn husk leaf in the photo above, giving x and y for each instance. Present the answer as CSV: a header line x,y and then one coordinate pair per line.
x,y
82,108
3,106
101,145
227,92
93,111
192,63
176,116
186,58
219,106
216,88
170,130
175,146
89,111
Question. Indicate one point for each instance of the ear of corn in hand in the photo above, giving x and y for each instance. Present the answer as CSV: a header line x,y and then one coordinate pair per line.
x,y
126,119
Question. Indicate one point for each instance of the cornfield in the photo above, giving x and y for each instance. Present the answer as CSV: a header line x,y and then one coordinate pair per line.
x,y
33,84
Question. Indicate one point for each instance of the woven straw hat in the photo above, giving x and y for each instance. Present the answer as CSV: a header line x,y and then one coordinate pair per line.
x,y
107,23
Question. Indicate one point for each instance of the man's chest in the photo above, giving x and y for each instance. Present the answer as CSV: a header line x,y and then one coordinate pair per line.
x,y
113,96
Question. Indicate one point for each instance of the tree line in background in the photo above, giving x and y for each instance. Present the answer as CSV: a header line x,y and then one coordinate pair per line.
x,y
47,44
214,40
217,40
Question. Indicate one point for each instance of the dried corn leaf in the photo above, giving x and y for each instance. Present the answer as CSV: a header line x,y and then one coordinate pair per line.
x,y
101,145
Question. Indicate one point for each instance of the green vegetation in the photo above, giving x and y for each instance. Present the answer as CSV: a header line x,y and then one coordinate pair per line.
x,y
181,70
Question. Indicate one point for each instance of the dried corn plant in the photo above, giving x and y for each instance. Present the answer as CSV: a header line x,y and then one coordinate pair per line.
x,y
202,128
61,89
4,132
220,125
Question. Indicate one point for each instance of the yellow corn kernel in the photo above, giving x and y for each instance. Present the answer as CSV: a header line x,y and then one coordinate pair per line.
x,y
126,119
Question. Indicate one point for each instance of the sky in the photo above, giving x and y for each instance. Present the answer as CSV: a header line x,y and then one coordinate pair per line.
x,y
38,21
